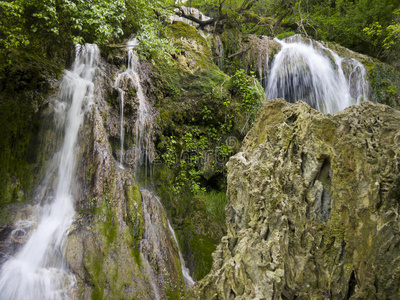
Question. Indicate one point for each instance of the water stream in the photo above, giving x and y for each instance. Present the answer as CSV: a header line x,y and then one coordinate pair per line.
x,y
129,76
38,270
185,271
308,71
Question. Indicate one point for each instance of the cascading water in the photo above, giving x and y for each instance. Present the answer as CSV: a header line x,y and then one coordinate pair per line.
x,y
38,270
128,76
142,119
157,245
220,52
314,74
185,271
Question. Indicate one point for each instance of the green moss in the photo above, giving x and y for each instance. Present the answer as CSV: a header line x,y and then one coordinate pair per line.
x,y
197,250
108,227
134,212
94,266
385,83
173,294
215,202
181,29
284,35
24,86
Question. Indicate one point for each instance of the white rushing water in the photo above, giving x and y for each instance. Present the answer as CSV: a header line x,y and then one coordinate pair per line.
x,y
315,74
189,282
130,77
126,77
38,270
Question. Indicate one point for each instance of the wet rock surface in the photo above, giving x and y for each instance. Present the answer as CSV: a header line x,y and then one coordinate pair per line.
x,y
109,248
313,209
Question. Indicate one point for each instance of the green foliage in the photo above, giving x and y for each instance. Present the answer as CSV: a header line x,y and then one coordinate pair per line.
x,y
48,27
214,7
12,33
206,113
169,156
224,150
386,38
250,93
37,21
361,25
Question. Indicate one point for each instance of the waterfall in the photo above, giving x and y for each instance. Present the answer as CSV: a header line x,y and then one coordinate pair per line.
x,y
124,81
220,52
126,77
143,120
38,270
314,74
185,271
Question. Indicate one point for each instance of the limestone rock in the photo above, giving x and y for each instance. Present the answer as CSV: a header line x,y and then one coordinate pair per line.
x,y
313,211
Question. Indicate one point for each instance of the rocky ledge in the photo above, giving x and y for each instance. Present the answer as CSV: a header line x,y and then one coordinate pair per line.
x,y
314,207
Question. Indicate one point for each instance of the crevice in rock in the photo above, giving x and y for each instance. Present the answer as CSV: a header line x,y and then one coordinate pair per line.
x,y
323,204
343,251
303,162
288,293
352,286
232,294
292,119
267,235
295,146
376,284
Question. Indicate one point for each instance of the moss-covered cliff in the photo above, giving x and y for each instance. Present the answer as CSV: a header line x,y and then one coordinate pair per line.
x,y
203,117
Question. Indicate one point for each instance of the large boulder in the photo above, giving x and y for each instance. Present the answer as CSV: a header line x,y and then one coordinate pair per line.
x,y
314,207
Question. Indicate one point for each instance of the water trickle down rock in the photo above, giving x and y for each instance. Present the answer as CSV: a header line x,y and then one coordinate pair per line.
x,y
159,237
256,57
308,71
142,152
220,52
313,207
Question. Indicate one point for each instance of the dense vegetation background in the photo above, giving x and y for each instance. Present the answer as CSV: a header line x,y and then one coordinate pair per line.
x,y
46,27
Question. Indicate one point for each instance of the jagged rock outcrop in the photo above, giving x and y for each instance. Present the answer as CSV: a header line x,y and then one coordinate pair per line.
x,y
314,207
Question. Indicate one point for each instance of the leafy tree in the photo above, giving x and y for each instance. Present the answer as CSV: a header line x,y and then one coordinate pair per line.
x,y
52,24
343,21
386,39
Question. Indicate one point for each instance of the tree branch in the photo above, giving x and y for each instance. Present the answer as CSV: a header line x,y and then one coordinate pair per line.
x,y
247,6
181,13
238,53
289,9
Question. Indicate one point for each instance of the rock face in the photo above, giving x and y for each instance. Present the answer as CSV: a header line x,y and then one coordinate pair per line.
x,y
313,211
119,246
